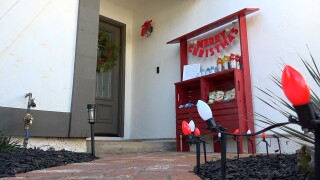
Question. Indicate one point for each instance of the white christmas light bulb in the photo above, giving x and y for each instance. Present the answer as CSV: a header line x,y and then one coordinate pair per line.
x,y
192,125
249,131
219,135
204,110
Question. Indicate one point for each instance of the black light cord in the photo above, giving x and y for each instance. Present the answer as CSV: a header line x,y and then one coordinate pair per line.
x,y
259,132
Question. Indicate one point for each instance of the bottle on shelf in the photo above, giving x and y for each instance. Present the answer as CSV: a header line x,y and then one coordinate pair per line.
x,y
219,64
238,66
226,60
233,63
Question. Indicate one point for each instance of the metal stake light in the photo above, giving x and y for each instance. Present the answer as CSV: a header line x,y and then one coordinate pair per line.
x,y
236,132
264,135
91,108
250,140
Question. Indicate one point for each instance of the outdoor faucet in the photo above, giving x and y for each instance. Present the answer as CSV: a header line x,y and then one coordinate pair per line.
x,y
28,119
31,103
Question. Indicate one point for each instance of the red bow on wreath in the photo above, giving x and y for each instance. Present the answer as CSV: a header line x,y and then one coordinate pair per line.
x,y
146,29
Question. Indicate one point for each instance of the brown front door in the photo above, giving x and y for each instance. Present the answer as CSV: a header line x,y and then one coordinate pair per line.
x,y
108,91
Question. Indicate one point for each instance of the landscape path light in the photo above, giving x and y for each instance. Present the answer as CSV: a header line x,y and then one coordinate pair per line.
x,y
91,108
206,114
250,140
235,137
193,138
264,136
297,90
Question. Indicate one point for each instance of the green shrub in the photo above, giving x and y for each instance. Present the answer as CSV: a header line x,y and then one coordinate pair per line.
x,y
6,143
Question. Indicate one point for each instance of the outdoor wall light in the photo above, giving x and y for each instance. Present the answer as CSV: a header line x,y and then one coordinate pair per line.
x,y
297,90
91,108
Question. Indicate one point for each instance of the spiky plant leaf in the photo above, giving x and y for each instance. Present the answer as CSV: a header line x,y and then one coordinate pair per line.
x,y
6,143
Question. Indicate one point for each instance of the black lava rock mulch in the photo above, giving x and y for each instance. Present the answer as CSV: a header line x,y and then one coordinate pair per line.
x,y
272,167
24,160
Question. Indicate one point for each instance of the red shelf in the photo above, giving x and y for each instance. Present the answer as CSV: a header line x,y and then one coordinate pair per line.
x,y
236,114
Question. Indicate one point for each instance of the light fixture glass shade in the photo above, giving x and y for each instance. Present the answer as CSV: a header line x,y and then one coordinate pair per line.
x,y
91,112
204,110
294,86
192,125
249,131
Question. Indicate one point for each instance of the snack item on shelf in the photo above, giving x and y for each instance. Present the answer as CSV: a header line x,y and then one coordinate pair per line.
x,y
233,63
219,96
211,97
219,64
186,105
229,95
226,61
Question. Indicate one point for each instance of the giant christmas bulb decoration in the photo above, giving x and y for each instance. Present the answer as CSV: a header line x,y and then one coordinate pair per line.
x,y
186,130
295,86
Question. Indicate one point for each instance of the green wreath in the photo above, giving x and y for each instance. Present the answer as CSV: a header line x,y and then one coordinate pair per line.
x,y
108,52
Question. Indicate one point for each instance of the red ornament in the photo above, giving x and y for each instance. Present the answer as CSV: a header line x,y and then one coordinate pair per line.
x,y
236,131
146,28
186,130
264,135
295,87
196,131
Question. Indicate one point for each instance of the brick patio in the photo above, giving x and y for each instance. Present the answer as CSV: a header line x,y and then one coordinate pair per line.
x,y
156,165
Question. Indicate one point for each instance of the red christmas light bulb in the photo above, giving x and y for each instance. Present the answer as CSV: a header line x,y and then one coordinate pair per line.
x,y
236,131
295,87
196,131
186,130
264,135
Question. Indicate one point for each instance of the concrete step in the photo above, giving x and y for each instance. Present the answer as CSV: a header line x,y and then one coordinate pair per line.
x,y
117,145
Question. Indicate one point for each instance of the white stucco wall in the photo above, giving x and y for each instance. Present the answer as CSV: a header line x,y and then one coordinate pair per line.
x,y
37,52
123,15
279,30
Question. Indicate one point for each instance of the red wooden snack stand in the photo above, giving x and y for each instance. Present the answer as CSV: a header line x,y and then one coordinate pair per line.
x,y
236,114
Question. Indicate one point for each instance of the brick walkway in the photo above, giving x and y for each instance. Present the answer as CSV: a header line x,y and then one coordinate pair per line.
x,y
144,166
